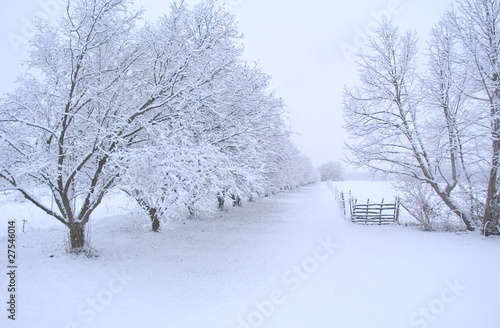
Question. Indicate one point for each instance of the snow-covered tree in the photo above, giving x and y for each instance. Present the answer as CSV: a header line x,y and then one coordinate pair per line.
x,y
476,23
195,48
216,133
388,120
60,125
454,120
288,168
330,171
100,89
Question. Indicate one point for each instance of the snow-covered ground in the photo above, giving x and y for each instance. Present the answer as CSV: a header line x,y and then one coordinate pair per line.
x,y
285,261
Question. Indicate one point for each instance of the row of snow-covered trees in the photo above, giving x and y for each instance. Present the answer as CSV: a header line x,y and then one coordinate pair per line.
x,y
436,126
167,112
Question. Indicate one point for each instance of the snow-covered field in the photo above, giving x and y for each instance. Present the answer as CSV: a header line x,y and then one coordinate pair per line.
x,y
376,190
285,261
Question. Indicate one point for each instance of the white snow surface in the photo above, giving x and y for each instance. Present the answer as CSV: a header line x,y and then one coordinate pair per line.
x,y
288,260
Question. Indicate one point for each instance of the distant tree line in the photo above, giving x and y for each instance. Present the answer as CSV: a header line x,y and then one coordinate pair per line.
x,y
331,170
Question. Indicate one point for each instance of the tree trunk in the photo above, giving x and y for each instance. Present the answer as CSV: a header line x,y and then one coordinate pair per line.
x,y
490,219
76,235
454,208
191,212
155,221
236,200
491,211
220,199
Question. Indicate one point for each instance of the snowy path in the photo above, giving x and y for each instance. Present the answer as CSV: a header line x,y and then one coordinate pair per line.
x,y
284,261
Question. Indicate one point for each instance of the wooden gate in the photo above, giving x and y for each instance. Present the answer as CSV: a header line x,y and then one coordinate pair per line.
x,y
374,213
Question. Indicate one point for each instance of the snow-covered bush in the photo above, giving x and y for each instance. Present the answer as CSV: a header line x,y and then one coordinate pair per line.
x,y
419,201
426,207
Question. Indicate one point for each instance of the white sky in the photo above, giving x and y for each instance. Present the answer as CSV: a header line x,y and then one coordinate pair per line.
x,y
298,42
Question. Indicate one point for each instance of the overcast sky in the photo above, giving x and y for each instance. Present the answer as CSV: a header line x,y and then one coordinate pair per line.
x,y
303,44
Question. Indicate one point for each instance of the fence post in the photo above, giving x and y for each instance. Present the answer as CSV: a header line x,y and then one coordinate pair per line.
x,y
350,205
367,207
380,212
396,209
342,203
